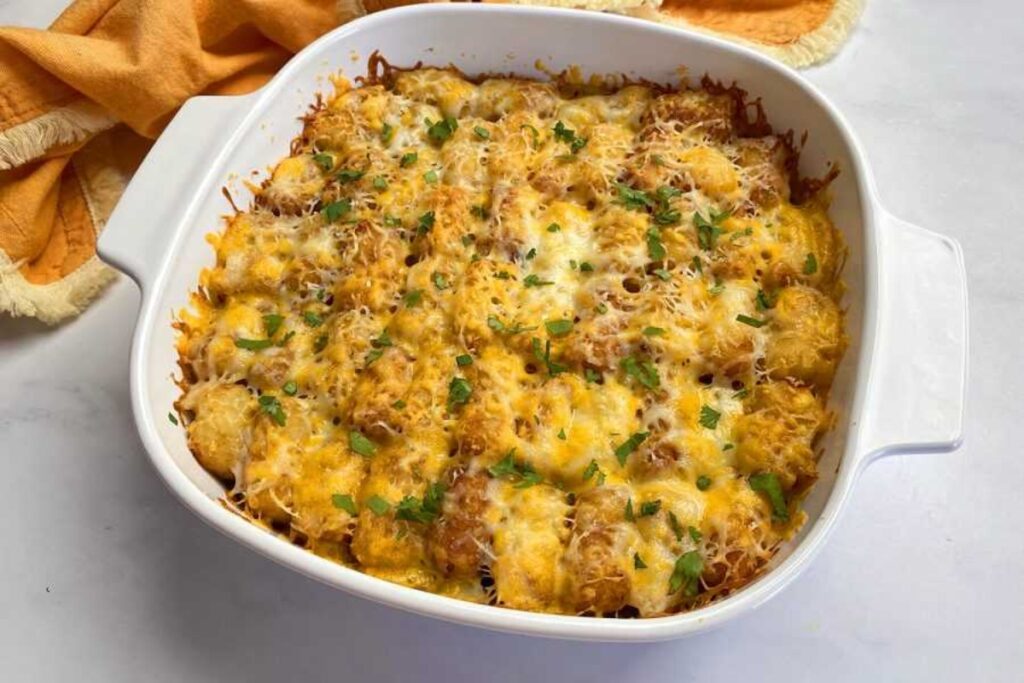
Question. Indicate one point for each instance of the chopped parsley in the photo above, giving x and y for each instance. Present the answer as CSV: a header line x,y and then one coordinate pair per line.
x,y
696,265
586,267
655,249
459,392
413,297
425,223
482,132
480,211
439,280
638,563
343,501
360,444
173,420
561,434
336,210
709,417
686,574
558,328
320,343
378,505
663,274
386,133
665,214
703,482
521,472
269,405
717,289
430,176
592,470
768,484
623,450
380,183
554,227
399,405
253,344
312,319
533,280
408,159
349,176
412,509
637,200
747,320
675,526
591,375
568,136
764,301
642,370
810,265
628,512
650,507
463,360
709,230
272,323
742,393
695,534
442,130
531,254
654,332
290,388
324,161
544,356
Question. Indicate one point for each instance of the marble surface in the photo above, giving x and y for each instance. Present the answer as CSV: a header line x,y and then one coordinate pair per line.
x,y
105,577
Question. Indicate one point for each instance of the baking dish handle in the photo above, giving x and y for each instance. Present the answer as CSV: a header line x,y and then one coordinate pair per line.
x,y
138,232
917,388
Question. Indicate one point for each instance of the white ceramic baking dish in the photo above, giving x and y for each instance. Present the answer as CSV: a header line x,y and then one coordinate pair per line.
x,y
900,387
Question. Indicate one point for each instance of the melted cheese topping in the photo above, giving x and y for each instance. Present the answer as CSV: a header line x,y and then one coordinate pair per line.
x,y
558,353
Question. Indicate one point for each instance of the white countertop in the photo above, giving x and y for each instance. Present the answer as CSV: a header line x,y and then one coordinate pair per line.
x,y
105,577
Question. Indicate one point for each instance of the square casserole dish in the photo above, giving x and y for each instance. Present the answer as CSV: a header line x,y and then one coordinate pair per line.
x,y
900,387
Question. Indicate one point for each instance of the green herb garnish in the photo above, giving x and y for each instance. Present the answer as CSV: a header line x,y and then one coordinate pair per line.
x,y
521,472
709,417
686,574
412,297
533,280
768,484
336,210
459,392
623,450
324,161
269,405
343,501
642,370
349,176
378,505
747,320
253,344
558,328
442,130
650,507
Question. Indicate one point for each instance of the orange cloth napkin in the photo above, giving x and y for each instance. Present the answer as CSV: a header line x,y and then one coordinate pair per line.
x,y
81,102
